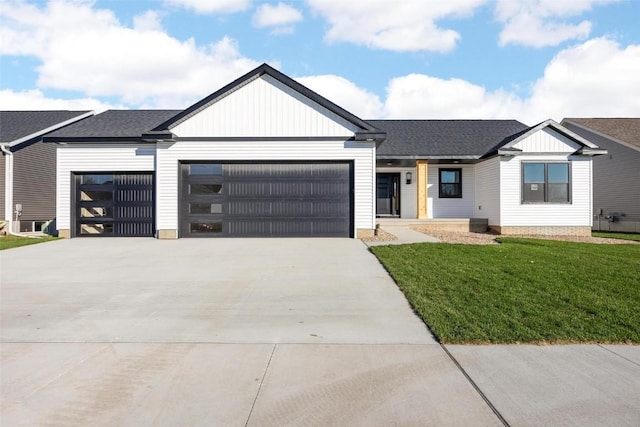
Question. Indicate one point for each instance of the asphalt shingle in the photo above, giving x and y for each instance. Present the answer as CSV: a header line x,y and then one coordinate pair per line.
x,y
116,124
623,129
452,138
18,124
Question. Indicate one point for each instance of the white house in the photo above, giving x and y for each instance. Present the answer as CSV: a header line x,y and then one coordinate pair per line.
x,y
265,156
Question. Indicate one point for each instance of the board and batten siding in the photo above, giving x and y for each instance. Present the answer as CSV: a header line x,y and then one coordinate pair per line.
x,y
515,213
96,158
547,141
450,207
616,183
487,190
169,155
264,107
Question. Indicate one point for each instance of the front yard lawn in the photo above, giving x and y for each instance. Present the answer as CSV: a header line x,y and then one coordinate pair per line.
x,y
611,235
8,242
522,291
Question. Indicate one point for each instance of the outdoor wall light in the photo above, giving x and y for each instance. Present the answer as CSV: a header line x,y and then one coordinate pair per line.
x,y
409,177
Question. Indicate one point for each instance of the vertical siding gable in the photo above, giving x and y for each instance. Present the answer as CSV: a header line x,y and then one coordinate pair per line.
x,y
264,107
547,141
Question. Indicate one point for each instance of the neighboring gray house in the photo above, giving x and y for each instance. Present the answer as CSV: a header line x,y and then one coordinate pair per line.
x,y
266,156
28,167
616,176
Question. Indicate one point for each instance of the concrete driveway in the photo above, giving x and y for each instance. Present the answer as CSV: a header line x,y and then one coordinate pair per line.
x,y
218,332
266,332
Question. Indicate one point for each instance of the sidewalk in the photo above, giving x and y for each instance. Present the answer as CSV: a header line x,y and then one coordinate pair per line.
x,y
405,235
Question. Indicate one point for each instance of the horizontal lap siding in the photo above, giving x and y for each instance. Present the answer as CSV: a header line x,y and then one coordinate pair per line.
x,y
487,190
362,154
514,213
103,158
450,207
616,178
3,169
34,181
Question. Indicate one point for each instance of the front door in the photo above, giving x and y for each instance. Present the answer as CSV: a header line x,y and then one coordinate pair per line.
x,y
388,194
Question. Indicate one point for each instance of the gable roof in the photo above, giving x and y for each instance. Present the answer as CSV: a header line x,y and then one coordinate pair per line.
x,y
17,127
367,131
588,148
626,130
112,125
433,139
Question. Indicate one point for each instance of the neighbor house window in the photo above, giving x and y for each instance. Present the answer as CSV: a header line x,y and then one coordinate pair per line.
x,y
546,183
450,183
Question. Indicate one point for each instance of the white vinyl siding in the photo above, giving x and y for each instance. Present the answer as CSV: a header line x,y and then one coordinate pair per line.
x,y
487,190
168,156
264,107
547,141
450,207
408,192
95,158
515,213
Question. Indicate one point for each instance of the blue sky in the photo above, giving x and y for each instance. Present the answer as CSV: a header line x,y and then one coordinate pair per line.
x,y
523,59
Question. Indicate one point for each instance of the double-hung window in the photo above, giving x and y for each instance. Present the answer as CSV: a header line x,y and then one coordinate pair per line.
x,y
450,183
546,182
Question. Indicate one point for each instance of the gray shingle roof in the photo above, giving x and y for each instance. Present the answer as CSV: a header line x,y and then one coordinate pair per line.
x,y
444,138
15,125
115,124
623,129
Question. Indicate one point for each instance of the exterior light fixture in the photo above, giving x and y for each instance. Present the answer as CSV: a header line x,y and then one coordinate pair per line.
x,y
409,177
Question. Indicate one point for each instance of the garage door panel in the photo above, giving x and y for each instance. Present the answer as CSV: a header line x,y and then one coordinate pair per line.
x,y
271,199
114,204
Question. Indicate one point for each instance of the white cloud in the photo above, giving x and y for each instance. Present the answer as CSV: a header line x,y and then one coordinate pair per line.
x,y
36,100
280,17
346,94
148,21
598,78
408,25
418,96
539,23
205,7
88,50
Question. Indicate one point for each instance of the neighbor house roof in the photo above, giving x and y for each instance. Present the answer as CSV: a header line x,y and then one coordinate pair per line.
x,y
113,125
434,139
623,129
20,126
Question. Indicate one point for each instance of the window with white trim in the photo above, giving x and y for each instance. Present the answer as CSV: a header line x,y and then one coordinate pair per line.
x,y
546,182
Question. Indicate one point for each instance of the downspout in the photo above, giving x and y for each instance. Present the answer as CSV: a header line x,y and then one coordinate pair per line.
x,y
8,187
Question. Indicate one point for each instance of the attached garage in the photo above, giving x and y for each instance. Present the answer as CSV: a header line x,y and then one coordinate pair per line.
x,y
262,157
113,204
288,199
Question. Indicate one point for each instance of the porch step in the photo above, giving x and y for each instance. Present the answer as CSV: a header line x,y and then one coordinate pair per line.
x,y
477,225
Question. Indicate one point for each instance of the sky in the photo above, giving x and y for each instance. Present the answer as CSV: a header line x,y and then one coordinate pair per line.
x,y
528,60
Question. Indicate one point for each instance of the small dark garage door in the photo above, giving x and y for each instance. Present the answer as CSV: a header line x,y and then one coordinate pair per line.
x,y
266,199
114,204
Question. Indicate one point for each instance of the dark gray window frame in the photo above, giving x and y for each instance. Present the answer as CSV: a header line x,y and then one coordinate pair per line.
x,y
459,183
546,183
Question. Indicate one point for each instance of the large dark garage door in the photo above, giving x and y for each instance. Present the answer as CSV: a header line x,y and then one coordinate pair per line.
x,y
114,204
260,199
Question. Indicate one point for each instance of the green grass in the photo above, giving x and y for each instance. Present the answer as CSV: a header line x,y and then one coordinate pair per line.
x,y
612,235
8,242
522,291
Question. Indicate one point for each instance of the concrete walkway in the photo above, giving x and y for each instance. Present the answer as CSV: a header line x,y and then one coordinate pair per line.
x,y
405,235
266,332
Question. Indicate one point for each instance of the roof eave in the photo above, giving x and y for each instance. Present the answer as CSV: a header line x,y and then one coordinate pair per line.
x,y
49,129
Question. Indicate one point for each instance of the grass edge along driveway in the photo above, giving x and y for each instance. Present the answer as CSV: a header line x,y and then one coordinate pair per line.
x,y
522,291
9,242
